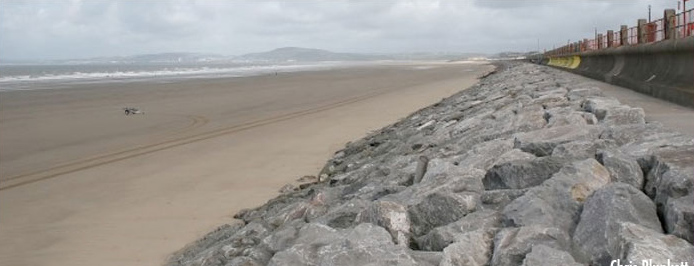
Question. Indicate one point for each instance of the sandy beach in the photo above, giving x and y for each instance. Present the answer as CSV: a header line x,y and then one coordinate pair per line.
x,y
83,184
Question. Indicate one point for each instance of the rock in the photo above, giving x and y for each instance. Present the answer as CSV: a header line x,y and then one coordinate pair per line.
x,y
296,211
426,258
242,261
282,238
557,92
198,250
622,168
643,148
366,244
679,217
636,243
422,163
513,155
567,115
599,106
610,111
542,142
623,115
528,118
311,178
344,215
441,208
572,118
578,150
541,255
557,201
583,92
521,174
440,237
288,188
633,133
602,215
473,248
669,179
501,197
426,126
512,244
440,169
310,238
551,101
391,216
257,255
483,155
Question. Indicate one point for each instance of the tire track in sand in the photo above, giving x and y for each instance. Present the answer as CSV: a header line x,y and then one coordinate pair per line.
x,y
33,177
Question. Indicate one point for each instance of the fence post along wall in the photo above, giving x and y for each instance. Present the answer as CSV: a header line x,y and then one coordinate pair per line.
x,y
655,58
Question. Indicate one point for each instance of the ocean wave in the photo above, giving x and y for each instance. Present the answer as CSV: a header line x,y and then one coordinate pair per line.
x,y
26,82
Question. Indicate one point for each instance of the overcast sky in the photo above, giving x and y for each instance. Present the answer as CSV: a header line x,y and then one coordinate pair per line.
x,y
58,29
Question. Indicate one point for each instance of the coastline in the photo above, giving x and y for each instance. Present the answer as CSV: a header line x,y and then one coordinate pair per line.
x,y
139,209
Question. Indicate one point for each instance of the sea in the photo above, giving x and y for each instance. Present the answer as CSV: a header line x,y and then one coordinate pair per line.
x,y
54,76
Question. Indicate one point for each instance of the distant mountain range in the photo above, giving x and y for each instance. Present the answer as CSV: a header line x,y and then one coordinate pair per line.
x,y
286,54
307,54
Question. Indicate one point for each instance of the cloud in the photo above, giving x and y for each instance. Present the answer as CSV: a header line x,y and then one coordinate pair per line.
x,y
77,29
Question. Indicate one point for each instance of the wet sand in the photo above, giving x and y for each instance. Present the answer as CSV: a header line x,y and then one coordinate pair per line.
x,y
83,184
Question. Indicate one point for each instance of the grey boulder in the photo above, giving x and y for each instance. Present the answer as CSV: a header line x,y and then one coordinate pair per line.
x,y
542,255
636,243
557,201
602,215
511,245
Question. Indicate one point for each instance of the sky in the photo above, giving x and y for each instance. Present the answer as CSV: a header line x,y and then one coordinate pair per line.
x,y
66,29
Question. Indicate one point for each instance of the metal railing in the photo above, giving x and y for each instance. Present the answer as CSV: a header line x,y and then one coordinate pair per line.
x,y
685,28
654,31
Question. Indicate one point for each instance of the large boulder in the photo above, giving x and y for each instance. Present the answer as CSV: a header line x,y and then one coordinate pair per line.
x,y
610,111
624,115
679,217
498,199
582,92
669,179
473,248
391,216
366,244
441,208
557,201
622,168
602,215
511,245
542,142
311,237
521,174
484,155
568,116
318,244
600,106
579,150
542,255
343,215
635,243
440,237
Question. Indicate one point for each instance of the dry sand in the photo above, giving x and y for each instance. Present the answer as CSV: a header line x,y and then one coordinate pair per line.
x,y
82,184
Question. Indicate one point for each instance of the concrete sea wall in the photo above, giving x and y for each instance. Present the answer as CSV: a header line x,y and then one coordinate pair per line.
x,y
655,58
527,167
663,69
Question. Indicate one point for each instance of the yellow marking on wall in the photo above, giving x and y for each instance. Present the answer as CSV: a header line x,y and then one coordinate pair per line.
x,y
571,62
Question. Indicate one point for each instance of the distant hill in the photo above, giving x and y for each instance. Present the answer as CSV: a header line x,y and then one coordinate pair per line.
x,y
306,54
168,58
309,54
286,54
174,57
